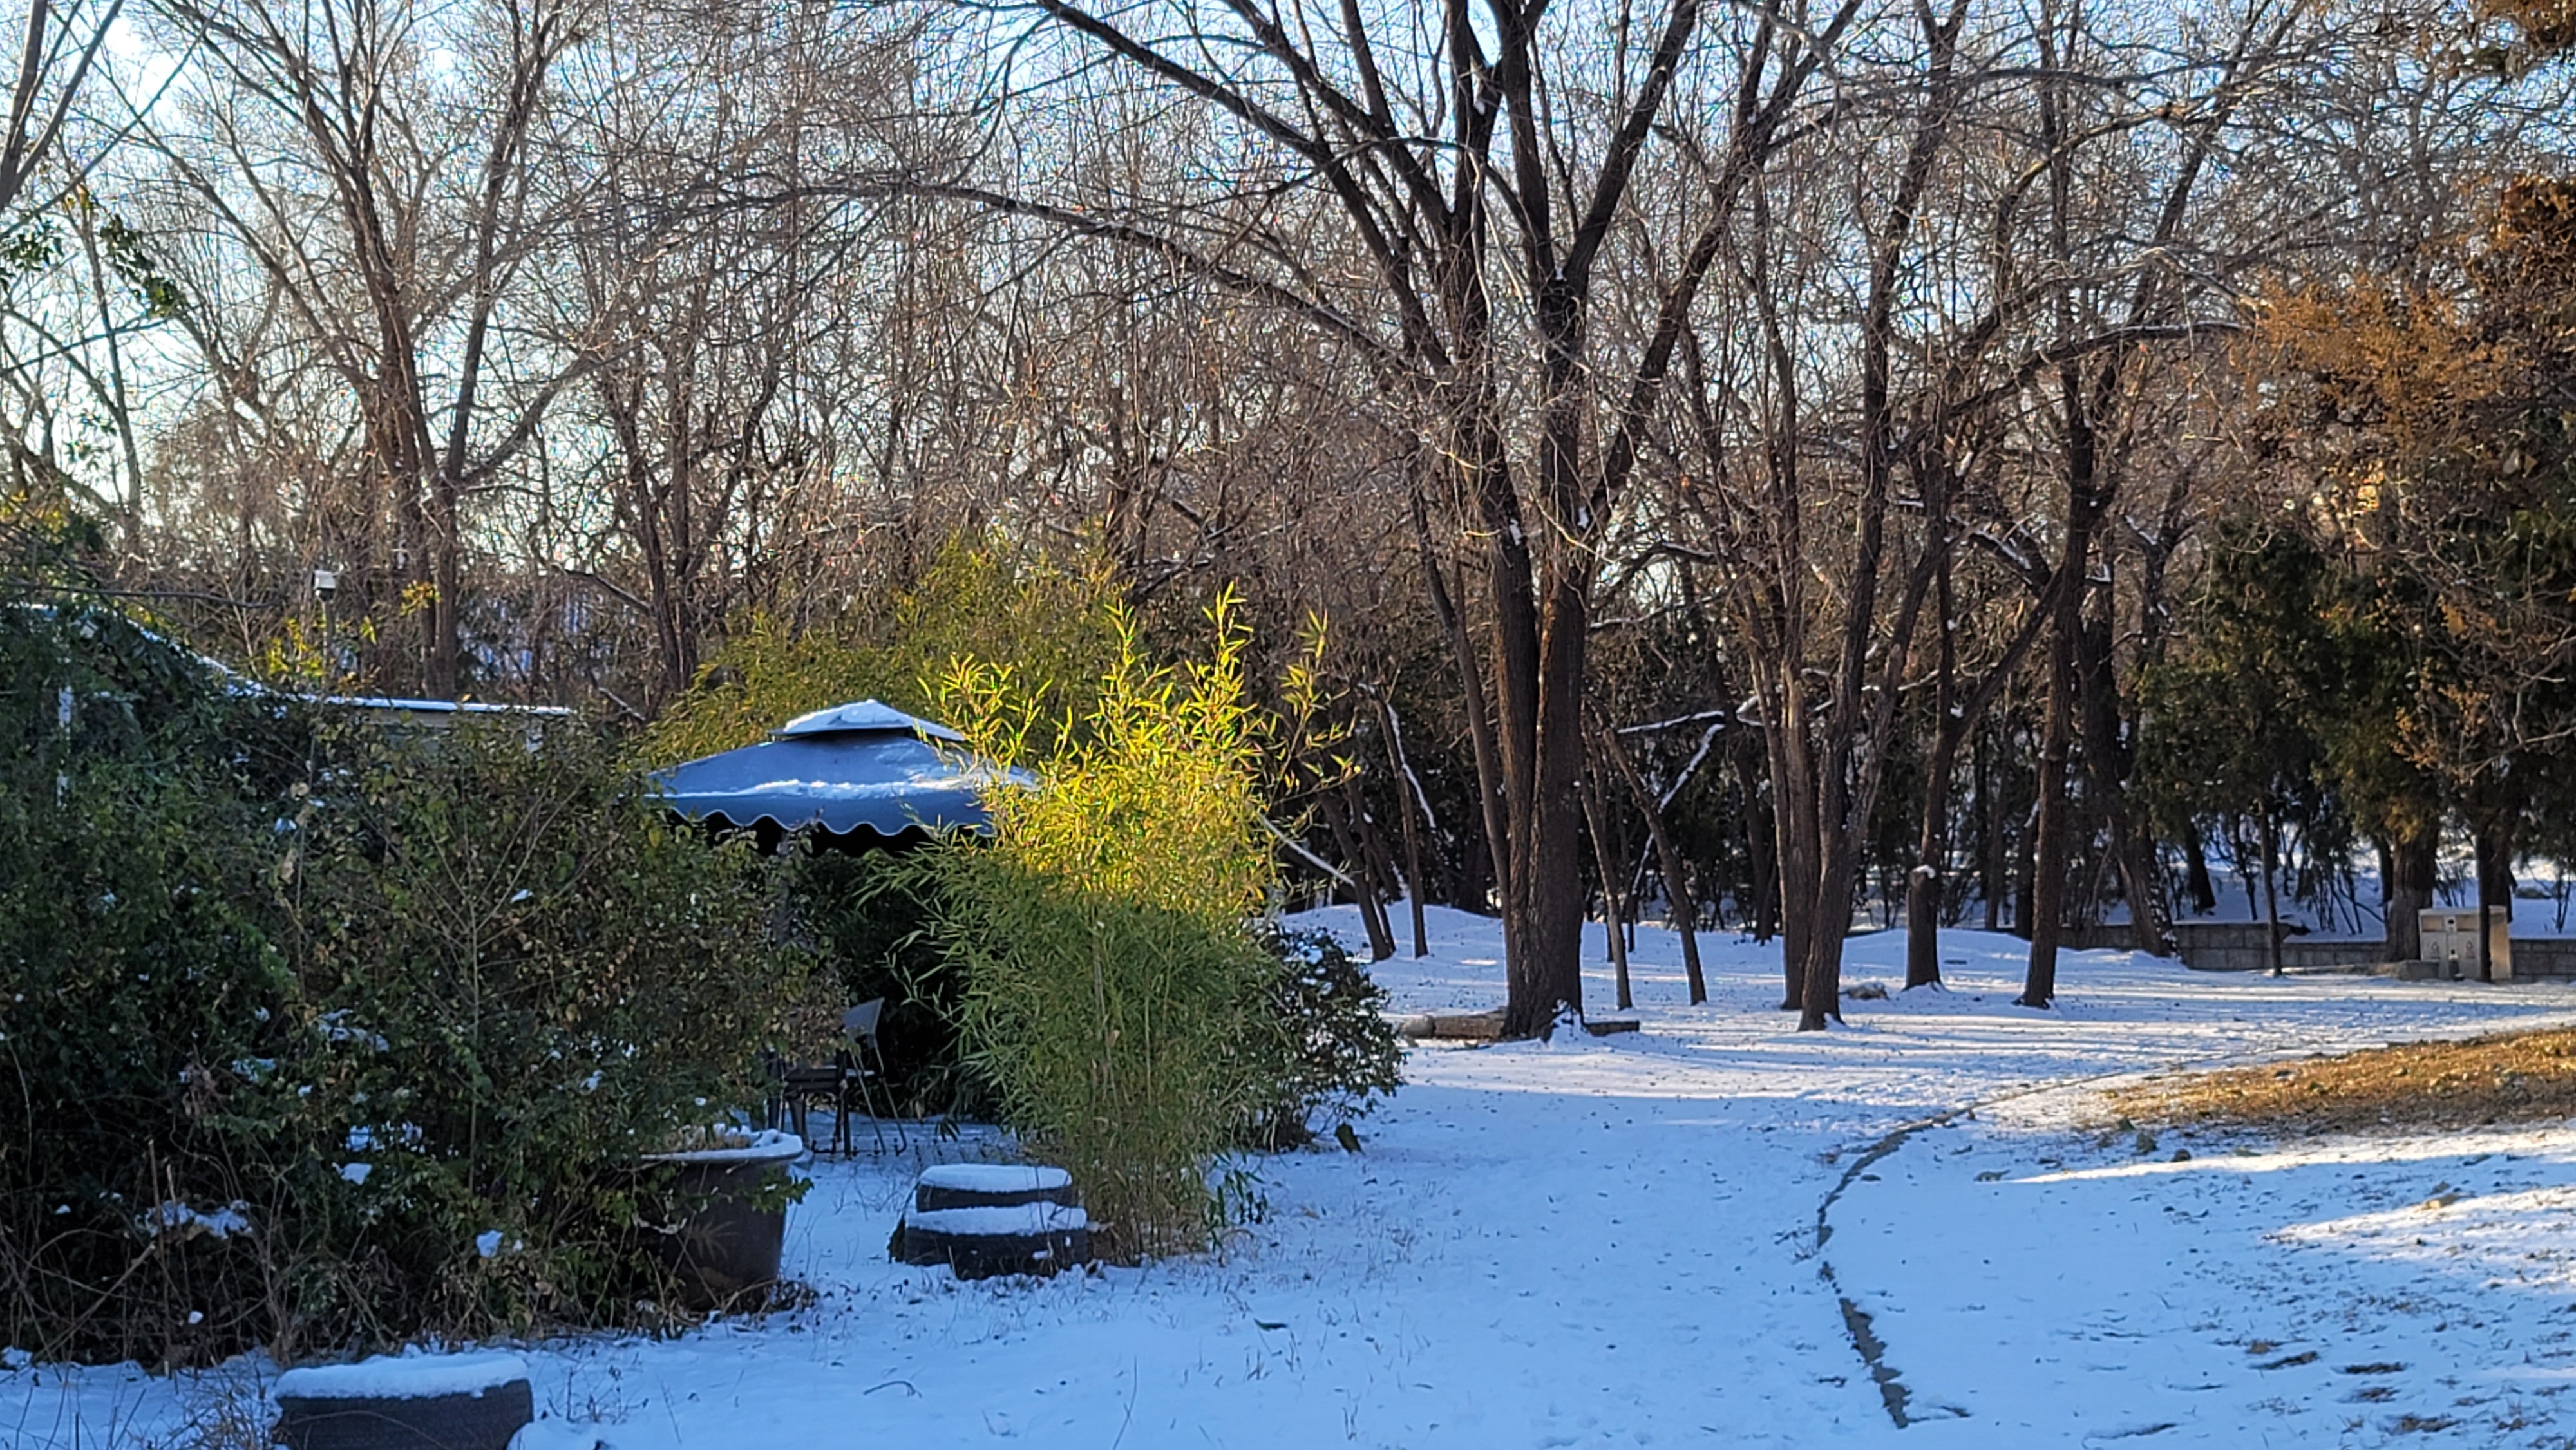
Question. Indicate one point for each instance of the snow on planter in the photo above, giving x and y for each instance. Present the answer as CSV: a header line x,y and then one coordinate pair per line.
x,y
971,1185
983,1240
415,1402
767,1148
707,1222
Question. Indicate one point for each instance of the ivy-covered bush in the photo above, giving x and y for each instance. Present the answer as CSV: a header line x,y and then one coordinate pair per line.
x,y
326,1038
144,1003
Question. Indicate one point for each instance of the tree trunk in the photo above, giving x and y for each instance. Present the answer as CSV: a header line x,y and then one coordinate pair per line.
x,y
1476,890
1677,892
1612,911
1994,870
2486,905
2107,767
1761,840
1846,785
2495,851
2026,863
1541,635
442,620
2086,499
2415,859
2195,856
1355,860
2270,824
1374,851
2048,872
1793,817
1480,721
1822,1001
1924,884
1542,751
1404,808
2492,844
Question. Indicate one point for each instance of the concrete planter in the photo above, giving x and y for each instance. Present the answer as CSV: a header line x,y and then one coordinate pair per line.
x,y
715,1235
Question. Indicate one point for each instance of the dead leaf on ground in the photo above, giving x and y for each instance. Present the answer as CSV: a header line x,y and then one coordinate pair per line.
x,y
2507,1077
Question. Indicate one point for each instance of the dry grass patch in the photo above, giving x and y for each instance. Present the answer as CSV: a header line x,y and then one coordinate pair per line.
x,y
2509,1077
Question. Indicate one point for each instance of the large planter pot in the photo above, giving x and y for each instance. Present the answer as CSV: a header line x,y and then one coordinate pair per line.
x,y
713,1232
421,1402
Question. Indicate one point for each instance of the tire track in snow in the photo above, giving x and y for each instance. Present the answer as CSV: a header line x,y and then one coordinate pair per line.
x,y
1857,1326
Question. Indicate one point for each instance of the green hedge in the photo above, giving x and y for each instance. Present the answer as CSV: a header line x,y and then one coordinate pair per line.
x,y
323,1038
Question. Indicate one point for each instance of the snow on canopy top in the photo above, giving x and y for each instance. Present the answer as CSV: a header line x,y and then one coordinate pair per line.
x,y
402,1377
1010,1218
995,1178
861,717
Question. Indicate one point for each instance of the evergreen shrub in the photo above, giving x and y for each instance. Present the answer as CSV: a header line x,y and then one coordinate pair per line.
x,y
1339,1053
1053,621
324,1039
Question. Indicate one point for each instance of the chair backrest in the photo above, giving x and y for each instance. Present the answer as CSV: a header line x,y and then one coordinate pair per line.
x,y
859,1024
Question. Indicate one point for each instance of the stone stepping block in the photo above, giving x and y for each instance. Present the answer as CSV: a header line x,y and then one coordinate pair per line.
x,y
405,1402
979,1243
984,1219
992,1185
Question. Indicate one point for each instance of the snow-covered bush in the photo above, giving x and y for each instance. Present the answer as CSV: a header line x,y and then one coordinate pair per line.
x,y
529,978
323,1038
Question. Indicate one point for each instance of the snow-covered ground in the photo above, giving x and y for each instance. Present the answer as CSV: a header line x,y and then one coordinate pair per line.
x,y
1616,1241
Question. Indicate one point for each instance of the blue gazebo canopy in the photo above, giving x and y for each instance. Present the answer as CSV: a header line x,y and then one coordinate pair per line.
x,y
858,767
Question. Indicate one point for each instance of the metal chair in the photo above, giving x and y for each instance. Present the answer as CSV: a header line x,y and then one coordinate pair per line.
x,y
859,1034
793,1091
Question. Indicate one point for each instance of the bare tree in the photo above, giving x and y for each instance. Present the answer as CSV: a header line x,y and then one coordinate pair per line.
x,y
388,200
1456,181
58,49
